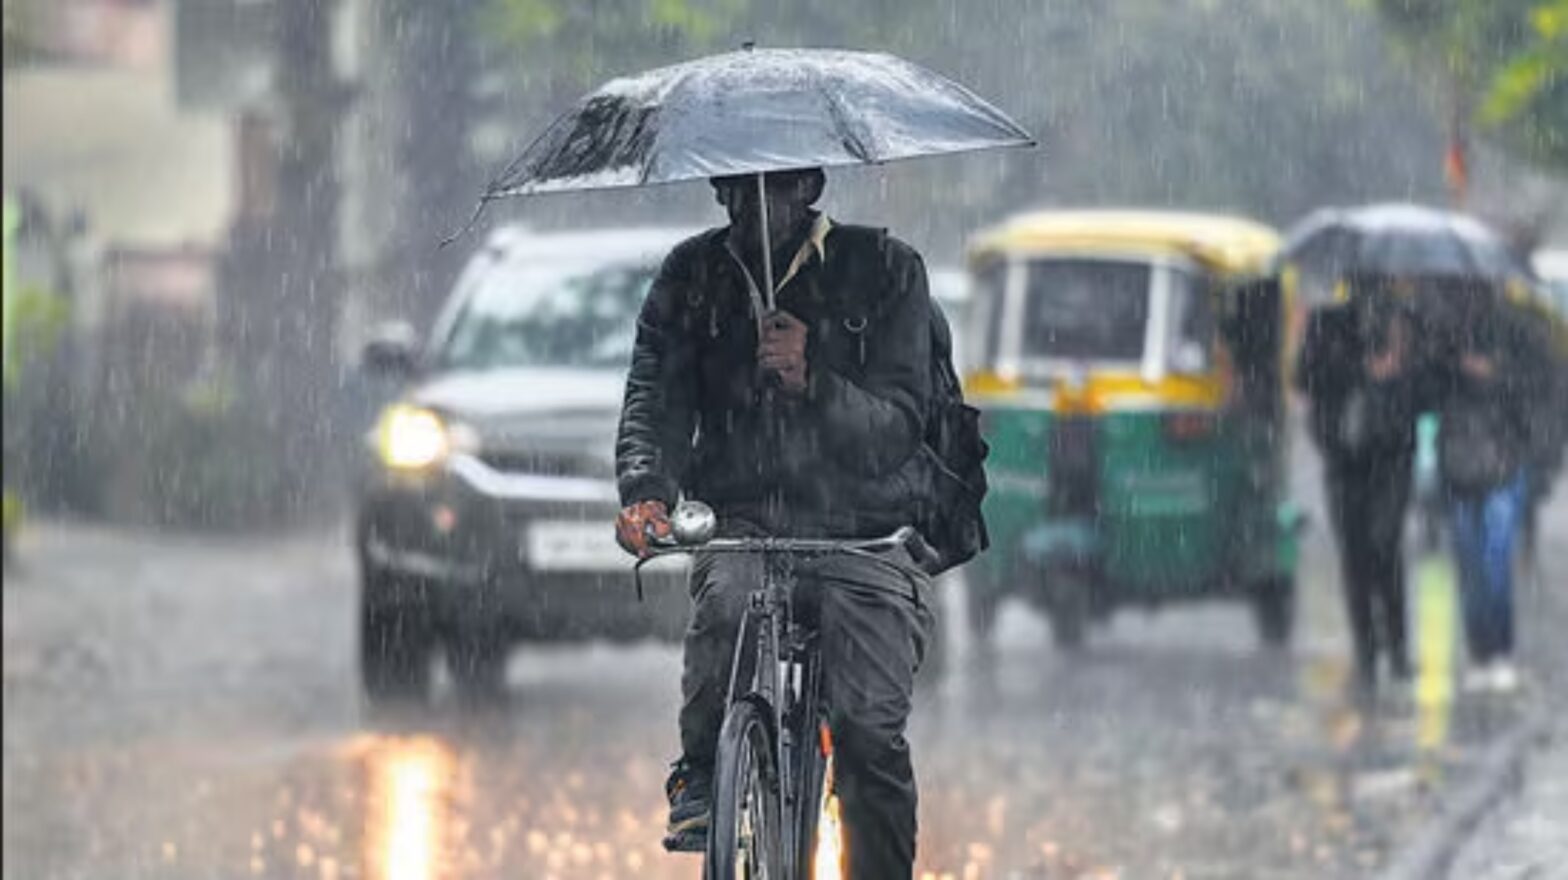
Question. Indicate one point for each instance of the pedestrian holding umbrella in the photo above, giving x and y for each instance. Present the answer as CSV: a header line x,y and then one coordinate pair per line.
x,y
1415,270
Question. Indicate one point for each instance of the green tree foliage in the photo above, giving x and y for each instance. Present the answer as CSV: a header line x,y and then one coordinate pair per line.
x,y
40,318
1529,94
1505,64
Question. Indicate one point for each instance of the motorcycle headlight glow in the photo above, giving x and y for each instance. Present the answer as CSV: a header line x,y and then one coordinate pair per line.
x,y
411,437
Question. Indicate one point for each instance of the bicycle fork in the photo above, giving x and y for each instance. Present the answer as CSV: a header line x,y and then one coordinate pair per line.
x,y
777,668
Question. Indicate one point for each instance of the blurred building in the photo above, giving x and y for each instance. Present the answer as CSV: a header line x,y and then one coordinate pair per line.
x,y
93,135
126,199
121,33
225,57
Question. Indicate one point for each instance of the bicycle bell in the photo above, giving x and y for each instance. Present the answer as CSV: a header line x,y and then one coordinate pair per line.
x,y
693,523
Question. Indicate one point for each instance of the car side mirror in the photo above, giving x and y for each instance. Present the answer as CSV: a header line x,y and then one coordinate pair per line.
x,y
391,352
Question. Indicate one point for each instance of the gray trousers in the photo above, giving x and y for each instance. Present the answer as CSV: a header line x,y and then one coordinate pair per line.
x,y
872,637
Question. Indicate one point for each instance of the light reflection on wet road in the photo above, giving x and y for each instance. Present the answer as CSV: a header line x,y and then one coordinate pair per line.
x,y
186,708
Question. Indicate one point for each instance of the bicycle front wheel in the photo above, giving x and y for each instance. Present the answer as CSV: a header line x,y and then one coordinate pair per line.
x,y
744,832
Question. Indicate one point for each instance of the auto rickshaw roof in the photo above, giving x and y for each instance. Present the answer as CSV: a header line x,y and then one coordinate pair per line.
x,y
1232,245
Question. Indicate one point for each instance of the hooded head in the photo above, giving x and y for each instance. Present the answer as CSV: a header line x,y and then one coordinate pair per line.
x,y
790,196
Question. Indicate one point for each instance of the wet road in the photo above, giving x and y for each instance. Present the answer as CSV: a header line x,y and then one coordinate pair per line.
x,y
187,708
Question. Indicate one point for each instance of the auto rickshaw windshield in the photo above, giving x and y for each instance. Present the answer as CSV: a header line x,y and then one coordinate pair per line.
x,y
1091,309
1080,309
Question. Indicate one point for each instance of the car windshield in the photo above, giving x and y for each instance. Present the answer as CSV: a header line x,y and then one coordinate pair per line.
x,y
549,316
1088,309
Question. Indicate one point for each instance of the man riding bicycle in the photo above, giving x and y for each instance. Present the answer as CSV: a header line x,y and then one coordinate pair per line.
x,y
803,422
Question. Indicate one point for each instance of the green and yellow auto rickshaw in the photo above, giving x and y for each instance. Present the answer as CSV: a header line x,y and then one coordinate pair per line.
x,y
1130,369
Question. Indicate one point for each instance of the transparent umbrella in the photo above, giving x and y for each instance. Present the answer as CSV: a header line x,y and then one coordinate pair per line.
x,y
752,112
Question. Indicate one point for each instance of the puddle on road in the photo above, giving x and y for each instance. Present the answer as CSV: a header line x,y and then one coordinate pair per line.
x,y
408,812
464,806
1388,757
1325,679
558,790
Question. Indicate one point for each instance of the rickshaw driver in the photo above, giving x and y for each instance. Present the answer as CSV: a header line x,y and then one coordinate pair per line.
x,y
850,403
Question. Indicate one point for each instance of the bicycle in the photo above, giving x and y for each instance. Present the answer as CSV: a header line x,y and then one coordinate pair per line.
x,y
773,766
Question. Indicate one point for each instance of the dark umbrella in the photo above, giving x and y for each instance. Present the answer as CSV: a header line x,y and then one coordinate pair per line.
x,y
755,111
1403,240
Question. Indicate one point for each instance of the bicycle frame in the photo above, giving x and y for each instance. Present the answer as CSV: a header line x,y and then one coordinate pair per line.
x,y
777,666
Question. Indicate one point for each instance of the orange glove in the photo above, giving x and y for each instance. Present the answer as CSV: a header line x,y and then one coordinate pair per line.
x,y
641,523
782,350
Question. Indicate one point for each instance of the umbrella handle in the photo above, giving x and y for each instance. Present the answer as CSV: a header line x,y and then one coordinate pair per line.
x,y
767,245
769,408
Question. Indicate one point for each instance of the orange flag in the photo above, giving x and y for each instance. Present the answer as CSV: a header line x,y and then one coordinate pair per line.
x,y
1456,170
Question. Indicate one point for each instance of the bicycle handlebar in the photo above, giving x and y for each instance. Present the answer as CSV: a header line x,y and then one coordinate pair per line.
x,y
906,537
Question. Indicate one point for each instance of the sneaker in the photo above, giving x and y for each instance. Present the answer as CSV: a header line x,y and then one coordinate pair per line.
x,y
690,794
1505,677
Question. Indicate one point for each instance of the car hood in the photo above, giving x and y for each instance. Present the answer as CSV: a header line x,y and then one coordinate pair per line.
x,y
486,394
532,409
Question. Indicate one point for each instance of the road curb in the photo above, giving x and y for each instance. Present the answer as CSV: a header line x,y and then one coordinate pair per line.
x,y
1429,855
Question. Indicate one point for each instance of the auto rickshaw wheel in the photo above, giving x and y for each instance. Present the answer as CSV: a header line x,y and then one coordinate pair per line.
x,y
1274,609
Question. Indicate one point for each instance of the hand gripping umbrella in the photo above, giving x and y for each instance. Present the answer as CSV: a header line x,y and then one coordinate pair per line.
x,y
752,112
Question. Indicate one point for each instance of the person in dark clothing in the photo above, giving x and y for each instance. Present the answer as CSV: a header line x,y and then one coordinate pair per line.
x,y
1487,440
801,422
1357,368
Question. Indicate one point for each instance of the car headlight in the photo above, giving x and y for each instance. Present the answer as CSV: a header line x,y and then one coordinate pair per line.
x,y
412,438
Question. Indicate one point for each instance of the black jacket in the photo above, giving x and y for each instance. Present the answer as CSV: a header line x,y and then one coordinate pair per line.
x,y
842,462
1498,423
1330,371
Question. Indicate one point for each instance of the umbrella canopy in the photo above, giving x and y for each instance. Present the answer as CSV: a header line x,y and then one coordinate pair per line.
x,y
1398,240
756,110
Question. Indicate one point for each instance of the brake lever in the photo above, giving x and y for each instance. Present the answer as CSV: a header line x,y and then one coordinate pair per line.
x,y
658,547
637,574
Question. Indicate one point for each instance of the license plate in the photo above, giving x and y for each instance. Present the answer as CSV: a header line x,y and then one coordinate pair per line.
x,y
575,546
